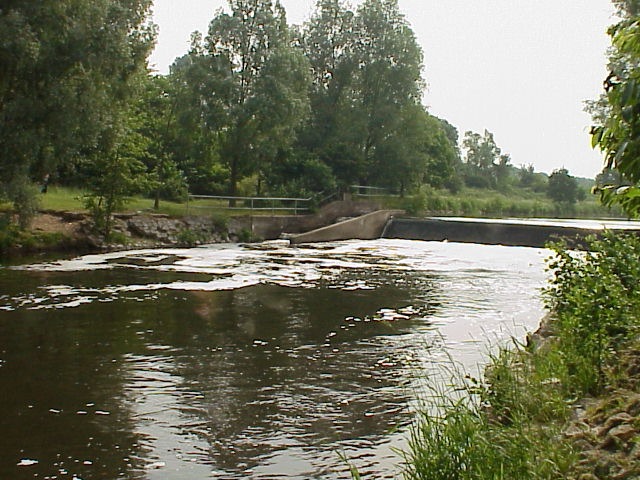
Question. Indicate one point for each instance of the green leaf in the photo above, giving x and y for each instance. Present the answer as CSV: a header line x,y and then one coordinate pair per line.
x,y
628,192
596,136
619,154
629,92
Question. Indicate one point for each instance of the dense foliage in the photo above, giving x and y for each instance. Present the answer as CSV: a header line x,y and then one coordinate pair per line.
x,y
65,84
563,188
617,132
256,107
595,298
509,425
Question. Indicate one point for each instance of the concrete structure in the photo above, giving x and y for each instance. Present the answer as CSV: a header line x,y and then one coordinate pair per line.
x,y
262,227
366,227
526,233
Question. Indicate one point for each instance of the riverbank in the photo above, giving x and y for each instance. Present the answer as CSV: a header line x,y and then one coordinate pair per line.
x,y
60,231
53,231
564,405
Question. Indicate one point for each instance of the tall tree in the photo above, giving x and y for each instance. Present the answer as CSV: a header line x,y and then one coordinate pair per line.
x,y
367,80
390,76
152,131
65,78
329,41
259,84
194,144
486,165
421,154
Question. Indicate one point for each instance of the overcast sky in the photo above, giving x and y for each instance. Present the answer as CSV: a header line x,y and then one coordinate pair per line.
x,y
521,69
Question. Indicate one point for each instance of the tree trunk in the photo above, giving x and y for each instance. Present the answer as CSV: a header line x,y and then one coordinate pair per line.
x,y
233,181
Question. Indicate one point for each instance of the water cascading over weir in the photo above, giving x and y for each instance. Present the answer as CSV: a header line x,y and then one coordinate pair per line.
x,y
527,233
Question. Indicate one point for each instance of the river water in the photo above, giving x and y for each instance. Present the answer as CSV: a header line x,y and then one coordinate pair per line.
x,y
228,361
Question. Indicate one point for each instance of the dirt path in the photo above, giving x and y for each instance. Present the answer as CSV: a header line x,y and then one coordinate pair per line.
x,y
47,223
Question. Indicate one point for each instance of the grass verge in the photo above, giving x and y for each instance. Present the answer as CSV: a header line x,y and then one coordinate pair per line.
x,y
472,202
513,423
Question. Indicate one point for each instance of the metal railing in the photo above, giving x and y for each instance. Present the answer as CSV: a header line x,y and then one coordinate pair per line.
x,y
258,204
365,191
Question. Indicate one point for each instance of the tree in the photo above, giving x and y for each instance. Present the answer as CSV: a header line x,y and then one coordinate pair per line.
x,y
65,79
193,141
333,130
617,132
609,177
528,178
562,187
389,81
486,166
152,121
255,85
421,154
367,70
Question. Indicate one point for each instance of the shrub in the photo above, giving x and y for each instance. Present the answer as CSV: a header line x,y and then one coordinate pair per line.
x,y
191,238
595,299
414,204
509,425
24,195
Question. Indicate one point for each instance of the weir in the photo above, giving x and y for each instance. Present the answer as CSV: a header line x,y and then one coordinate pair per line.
x,y
511,232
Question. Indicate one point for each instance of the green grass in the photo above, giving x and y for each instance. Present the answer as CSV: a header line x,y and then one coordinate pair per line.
x,y
509,424
468,203
489,203
70,199
61,198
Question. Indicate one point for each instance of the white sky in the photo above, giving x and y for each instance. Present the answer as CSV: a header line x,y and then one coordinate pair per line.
x,y
521,69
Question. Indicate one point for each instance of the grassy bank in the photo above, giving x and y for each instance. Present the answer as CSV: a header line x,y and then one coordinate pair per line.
x,y
70,199
490,203
469,202
565,406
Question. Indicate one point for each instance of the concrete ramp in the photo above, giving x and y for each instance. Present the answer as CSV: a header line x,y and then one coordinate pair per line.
x,y
365,227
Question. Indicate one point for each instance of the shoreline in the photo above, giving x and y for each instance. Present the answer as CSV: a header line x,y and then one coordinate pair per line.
x,y
59,232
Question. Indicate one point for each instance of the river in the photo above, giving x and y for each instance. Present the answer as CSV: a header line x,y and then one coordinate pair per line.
x,y
243,361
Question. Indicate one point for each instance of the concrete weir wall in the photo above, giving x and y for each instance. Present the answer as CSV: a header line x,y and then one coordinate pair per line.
x,y
490,233
366,227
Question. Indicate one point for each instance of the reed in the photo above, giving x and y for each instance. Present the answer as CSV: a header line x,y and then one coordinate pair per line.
x,y
509,424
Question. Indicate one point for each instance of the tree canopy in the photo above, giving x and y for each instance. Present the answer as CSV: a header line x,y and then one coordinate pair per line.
x,y
617,133
255,107
563,188
65,80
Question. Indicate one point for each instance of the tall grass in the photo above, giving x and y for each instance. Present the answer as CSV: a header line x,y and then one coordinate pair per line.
x,y
488,203
508,426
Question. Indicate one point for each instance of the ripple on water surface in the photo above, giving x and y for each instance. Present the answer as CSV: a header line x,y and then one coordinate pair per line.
x,y
227,361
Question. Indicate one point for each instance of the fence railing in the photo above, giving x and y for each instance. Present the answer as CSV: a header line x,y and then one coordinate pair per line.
x,y
365,191
257,204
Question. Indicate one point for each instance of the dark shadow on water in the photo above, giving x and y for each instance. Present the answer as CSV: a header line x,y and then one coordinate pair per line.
x,y
232,381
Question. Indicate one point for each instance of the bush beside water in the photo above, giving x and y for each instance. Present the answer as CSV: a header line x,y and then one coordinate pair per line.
x,y
513,423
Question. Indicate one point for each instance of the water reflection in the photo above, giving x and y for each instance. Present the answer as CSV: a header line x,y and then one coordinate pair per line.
x,y
232,362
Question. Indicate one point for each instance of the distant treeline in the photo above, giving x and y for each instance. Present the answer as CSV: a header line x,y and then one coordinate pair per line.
x,y
256,106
